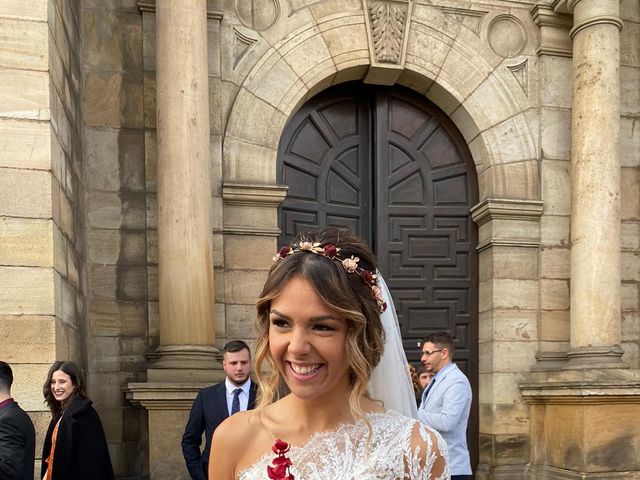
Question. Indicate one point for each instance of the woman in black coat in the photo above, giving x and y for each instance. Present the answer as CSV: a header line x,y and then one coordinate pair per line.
x,y
75,447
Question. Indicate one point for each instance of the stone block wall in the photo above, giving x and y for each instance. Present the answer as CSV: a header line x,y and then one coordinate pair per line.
x,y
630,179
116,231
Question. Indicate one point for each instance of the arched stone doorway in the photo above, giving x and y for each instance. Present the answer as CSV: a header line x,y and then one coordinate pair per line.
x,y
392,167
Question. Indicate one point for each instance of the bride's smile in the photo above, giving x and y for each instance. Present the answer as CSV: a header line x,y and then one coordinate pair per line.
x,y
307,340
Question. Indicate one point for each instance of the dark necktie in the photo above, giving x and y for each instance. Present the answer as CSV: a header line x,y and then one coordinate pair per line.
x,y
235,405
426,392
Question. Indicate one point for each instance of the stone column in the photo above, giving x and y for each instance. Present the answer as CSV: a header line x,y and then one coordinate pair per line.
x,y
184,187
595,185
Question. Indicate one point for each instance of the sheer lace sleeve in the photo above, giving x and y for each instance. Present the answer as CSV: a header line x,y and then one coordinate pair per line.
x,y
399,448
426,458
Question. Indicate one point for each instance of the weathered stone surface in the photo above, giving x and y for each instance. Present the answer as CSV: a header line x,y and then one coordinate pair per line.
x,y
32,338
630,193
28,379
117,210
26,242
556,187
247,252
25,145
554,325
554,294
244,286
36,10
26,290
23,44
117,247
240,321
115,159
102,111
24,94
114,38
117,318
121,282
554,230
629,92
25,193
555,263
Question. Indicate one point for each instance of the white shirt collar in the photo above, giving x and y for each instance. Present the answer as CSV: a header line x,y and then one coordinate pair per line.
x,y
231,387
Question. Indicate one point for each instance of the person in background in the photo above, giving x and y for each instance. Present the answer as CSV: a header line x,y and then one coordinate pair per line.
x,y
75,447
215,403
17,435
423,378
446,401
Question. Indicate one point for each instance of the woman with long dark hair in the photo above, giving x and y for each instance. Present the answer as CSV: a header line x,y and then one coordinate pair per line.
x,y
75,447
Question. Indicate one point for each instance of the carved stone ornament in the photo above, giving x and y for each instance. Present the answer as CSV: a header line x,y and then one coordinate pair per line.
x,y
387,29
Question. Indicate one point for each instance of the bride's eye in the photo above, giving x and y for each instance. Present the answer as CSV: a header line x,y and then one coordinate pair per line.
x,y
279,322
324,327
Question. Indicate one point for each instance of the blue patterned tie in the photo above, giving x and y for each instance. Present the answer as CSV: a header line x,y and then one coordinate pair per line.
x,y
235,405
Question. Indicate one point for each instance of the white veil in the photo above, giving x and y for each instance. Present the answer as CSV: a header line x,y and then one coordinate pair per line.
x,y
391,381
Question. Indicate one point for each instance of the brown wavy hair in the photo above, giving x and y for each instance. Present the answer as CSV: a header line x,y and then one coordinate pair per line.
x,y
77,379
345,293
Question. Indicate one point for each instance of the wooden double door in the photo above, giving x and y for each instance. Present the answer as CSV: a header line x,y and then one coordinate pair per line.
x,y
391,166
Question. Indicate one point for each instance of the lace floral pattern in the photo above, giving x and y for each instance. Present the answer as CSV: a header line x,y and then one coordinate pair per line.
x,y
393,452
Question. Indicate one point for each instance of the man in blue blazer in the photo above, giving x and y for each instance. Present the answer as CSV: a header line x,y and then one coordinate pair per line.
x,y
214,404
446,401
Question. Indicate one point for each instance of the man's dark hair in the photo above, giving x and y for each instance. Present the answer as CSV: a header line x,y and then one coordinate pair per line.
x,y
441,340
236,346
6,376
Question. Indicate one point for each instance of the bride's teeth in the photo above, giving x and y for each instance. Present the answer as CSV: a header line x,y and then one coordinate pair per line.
x,y
306,370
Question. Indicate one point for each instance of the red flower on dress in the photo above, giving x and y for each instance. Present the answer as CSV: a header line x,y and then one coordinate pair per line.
x,y
279,468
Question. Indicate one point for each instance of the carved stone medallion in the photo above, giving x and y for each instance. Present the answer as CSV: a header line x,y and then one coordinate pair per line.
x,y
506,36
257,14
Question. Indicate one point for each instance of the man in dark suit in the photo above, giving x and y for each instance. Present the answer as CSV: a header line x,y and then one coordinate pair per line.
x,y
17,435
214,404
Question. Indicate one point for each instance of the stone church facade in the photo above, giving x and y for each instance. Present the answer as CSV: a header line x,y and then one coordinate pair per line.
x,y
153,153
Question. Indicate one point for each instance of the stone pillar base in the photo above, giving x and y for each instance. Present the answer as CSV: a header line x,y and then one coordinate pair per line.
x,y
595,358
168,406
551,473
584,423
501,472
186,357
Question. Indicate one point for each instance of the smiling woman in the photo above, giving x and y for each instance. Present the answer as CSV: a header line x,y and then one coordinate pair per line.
x,y
319,339
75,446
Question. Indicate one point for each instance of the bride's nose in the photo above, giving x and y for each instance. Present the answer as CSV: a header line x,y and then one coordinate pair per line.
x,y
299,342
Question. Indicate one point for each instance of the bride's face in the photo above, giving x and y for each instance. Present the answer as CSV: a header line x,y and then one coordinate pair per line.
x,y
307,341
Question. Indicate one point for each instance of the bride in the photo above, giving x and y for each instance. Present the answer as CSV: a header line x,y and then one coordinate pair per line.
x,y
320,337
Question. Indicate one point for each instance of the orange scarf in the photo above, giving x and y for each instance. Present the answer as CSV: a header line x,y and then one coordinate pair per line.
x,y
54,436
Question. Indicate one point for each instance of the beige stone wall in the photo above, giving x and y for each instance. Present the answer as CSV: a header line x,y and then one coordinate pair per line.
x,y
630,179
118,283
42,196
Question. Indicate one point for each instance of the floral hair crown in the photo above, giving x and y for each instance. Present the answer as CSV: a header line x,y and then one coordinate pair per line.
x,y
349,264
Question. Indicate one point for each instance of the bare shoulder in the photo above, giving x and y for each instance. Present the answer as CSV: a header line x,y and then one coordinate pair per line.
x,y
236,428
243,428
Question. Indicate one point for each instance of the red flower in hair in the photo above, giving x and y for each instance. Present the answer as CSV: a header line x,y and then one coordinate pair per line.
x,y
367,276
330,250
279,468
284,250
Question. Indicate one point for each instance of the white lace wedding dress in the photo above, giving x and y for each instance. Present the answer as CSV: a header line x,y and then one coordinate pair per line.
x,y
394,452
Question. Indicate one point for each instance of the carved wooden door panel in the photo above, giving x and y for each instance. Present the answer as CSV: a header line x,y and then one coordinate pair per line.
x,y
392,167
